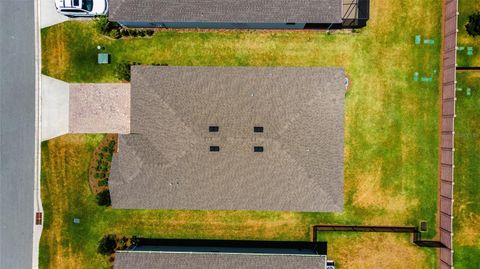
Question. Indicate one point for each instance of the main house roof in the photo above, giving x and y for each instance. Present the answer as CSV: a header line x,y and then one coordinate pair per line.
x,y
240,11
166,161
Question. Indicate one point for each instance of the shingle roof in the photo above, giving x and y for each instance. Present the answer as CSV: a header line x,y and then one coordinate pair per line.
x,y
166,163
162,260
240,11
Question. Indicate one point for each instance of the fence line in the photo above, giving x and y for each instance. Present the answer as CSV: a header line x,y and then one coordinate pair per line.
x,y
416,238
447,149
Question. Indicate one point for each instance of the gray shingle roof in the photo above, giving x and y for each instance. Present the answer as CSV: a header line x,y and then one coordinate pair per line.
x,y
240,11
162,260
166,163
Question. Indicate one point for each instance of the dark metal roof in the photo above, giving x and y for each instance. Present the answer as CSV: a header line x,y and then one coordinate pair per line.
x,y
231,246
239,11
166,162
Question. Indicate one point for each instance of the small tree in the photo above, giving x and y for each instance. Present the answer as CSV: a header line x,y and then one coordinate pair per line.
x,y
107,244
473,25
103,198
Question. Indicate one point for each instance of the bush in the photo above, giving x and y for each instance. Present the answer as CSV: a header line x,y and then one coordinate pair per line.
x,y
107,244
105,149
97,175
111,145
149,32
473,25
102,183
104,26
122,71
115,34
132,32
103,198
125,32
141,33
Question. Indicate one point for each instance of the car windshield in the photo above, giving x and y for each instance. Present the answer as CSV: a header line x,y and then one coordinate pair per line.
x,y
87,5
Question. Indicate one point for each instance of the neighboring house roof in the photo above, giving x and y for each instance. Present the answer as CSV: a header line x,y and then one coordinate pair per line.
x,y
164,260
165,162
240,11
232,254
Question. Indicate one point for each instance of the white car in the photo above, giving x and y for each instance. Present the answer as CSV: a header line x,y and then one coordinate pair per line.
x,y
82,8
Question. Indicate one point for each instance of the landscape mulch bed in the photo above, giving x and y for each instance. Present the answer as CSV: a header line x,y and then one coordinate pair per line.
x,y
102,158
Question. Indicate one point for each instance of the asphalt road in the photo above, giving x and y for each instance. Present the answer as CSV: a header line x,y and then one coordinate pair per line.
x,y
17,132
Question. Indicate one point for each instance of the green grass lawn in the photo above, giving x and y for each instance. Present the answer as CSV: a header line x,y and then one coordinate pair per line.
x,y
466,8
467,172
391,137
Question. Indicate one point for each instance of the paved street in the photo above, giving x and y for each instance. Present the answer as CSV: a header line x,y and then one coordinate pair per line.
x,y
17,132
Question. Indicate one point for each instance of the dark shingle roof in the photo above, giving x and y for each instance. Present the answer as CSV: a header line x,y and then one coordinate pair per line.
x,y
166,162
163,260
240,11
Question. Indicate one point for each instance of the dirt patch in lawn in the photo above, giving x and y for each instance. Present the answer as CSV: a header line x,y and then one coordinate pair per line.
x,y
101,162
376,251
55,46
469,235
369,194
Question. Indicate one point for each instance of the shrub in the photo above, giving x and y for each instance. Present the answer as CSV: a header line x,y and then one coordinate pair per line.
x,y
125,32
104,26
149,32
109,157
473,25
111,145
132,32
97,175
122,71
105,149
102,183
103,198
107,244
141,33
115,34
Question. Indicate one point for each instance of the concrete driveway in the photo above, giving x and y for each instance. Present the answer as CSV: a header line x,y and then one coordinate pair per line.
x,y
49,15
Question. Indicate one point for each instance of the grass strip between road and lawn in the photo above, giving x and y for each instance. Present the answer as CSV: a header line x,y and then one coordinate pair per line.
x,y
391,137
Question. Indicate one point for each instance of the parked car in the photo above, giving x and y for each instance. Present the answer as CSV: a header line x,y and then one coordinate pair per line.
x,y
82,8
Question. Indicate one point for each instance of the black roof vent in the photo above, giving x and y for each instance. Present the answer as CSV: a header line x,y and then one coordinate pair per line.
x,y
214,148
213,129
258,129
257,149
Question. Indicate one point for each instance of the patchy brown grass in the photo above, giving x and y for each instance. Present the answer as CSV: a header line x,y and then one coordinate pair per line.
x,y
469,234
54,43
369,194
370,250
